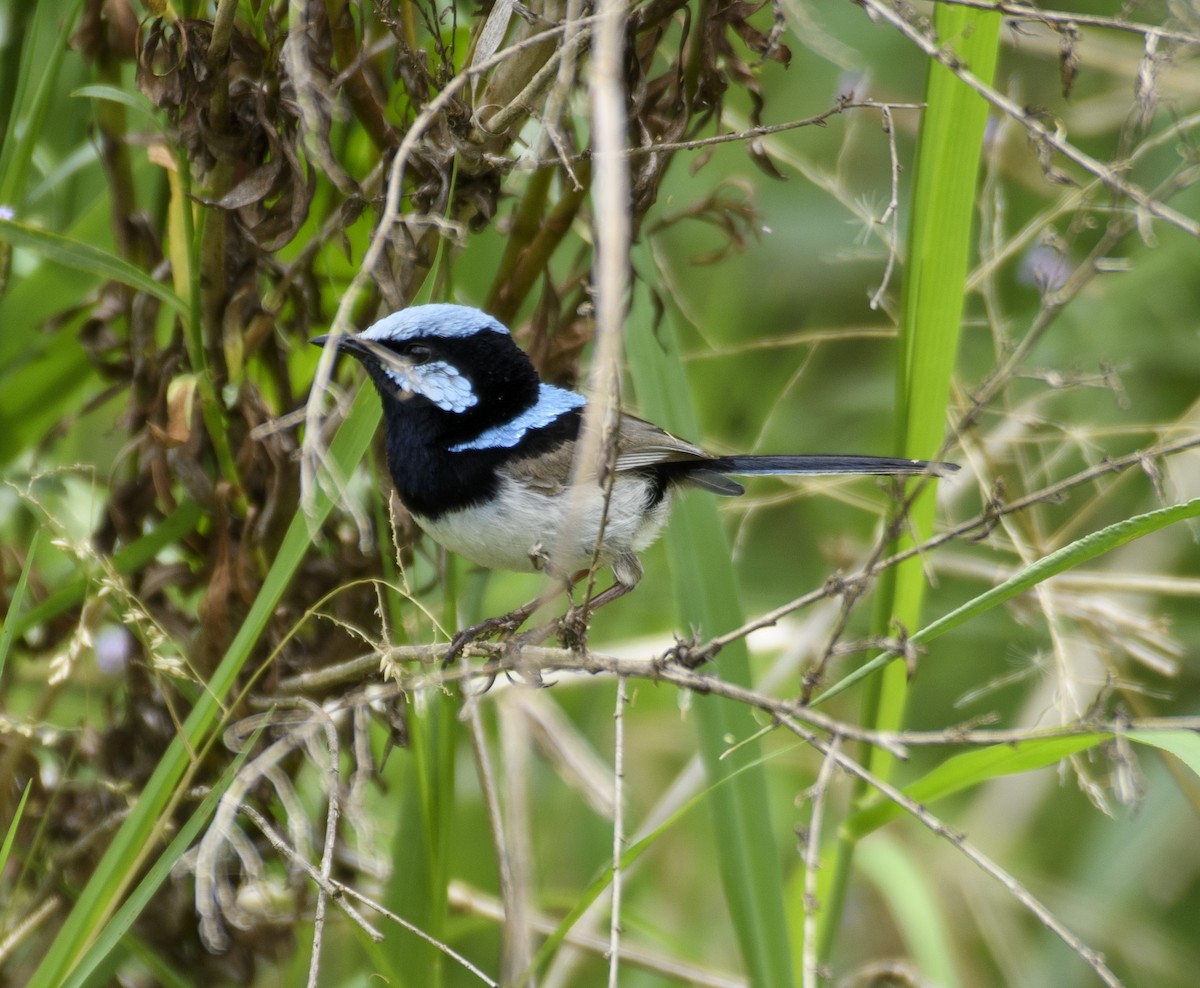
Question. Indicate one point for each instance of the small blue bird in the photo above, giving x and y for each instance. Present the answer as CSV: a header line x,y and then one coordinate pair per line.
x,y
481,450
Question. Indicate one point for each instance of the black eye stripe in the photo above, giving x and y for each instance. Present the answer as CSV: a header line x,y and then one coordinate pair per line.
x,y
418,353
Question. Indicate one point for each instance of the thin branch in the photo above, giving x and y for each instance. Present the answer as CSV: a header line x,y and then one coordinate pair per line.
x,y
476,903
24,928
516,753
618,824
1027,12
981,522
663,669
1094,959
350,892
812,862
891,213
843,103
613,229
332,809
339,892
1037,130
327,885
491,802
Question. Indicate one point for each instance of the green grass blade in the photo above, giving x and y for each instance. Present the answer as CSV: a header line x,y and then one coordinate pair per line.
x,y
127,559
945,180
124,918
29,110
949,148
11,626
11,834
1068,557
971,768
85,257
747,853
130,845
917,905
131,100
1184,745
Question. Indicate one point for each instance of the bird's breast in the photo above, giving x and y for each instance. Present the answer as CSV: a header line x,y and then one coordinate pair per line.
x,y
521,525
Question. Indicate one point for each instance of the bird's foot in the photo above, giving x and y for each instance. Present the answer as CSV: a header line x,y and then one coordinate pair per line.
x,y
534,636
506,626
573,628
503,626
688,652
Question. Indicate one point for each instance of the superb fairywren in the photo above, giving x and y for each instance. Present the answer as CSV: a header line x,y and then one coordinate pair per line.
x,y
481,450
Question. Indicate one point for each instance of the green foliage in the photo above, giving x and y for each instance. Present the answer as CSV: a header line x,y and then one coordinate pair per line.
x,y
746,849
190,192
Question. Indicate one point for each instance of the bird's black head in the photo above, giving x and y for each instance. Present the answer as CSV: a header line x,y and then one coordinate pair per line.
x,y
449,371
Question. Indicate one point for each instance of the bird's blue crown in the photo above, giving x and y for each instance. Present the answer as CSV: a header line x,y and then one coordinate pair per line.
x,y
435,319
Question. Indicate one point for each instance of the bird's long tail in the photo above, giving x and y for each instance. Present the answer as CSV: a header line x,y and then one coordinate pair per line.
x,y
713,475
821,464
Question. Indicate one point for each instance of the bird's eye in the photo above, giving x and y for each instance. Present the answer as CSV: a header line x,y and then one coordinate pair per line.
x,y
418,353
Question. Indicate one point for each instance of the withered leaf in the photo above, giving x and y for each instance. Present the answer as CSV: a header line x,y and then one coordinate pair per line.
x,y
1068,56
181,405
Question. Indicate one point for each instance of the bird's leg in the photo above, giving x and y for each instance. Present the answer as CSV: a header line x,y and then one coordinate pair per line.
x,y
507,624
572,626
535,636
504,624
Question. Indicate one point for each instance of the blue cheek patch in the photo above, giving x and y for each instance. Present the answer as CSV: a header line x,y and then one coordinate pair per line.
x,y
441,383
552,402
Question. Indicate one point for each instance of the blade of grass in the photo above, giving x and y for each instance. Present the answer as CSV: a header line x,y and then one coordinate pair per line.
x,y
747,853
11,626
917,905
134,841
130,100
971,768
939,245
128,559
124,918
85,257
11,834
1184,745
946,173
1068,557
29,110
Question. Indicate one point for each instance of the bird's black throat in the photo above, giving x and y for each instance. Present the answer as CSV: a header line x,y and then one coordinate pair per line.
x,y
431,479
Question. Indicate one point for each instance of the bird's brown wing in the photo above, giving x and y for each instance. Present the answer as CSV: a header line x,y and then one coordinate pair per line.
x,y
643,444
640,444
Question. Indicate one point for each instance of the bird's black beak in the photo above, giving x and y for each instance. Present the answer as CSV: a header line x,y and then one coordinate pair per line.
x,y
345,344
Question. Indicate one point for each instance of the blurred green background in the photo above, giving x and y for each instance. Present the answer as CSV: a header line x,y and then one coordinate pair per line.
x,y
766,283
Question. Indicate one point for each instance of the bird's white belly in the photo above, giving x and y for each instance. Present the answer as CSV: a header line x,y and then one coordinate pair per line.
x,y
523,524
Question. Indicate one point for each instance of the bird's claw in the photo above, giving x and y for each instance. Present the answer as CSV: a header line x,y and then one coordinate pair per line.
x,y
502,626
689,653
573,629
